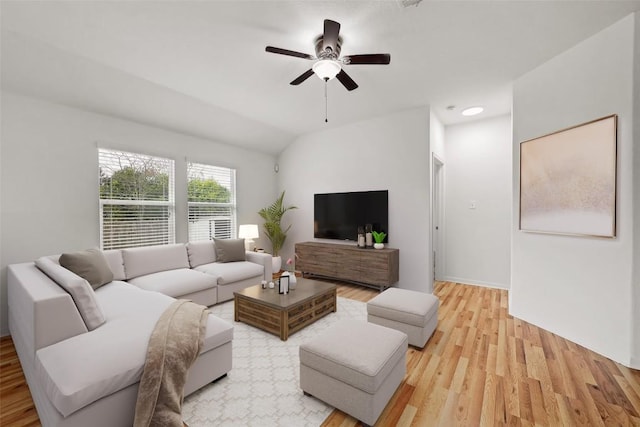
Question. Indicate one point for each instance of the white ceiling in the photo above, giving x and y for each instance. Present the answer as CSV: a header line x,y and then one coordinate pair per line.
x,y
199,67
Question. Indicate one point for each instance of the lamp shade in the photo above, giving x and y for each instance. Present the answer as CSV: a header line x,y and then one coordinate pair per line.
x,y
248,231
326,69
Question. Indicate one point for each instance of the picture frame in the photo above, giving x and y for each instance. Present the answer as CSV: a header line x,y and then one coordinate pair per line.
x,y
283,285
568,180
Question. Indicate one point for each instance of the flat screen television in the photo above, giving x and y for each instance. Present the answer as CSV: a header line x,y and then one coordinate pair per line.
x,y
338,215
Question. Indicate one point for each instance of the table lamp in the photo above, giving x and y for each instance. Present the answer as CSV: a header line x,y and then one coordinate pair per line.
x,y
248,232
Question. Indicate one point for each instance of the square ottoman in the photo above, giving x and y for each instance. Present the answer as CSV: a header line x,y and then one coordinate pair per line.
x,y
414,313
354,366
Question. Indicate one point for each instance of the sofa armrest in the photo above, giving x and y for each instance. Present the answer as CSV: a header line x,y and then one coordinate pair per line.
x,y
263,259
41,313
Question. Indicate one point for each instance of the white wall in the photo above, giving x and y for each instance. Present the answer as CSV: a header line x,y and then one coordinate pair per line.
x,y
385,153
436,136
635,357
49,177
478,170
580,287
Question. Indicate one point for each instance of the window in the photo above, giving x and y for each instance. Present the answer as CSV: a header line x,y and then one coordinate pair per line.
x,y
212,202
137,201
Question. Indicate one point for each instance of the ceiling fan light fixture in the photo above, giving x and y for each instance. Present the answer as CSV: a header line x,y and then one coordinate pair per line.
x,y
326,69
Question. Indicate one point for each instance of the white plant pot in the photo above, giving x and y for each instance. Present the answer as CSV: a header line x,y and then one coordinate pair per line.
x,y
378,245
276,263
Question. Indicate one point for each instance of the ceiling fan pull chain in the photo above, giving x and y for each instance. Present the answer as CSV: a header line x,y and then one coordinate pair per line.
x,y
326,102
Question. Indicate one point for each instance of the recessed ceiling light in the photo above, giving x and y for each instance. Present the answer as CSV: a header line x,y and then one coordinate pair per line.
x,y
407,3
472,111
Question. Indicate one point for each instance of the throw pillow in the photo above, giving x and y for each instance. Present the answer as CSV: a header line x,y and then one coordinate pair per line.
x,y
91,265
201,253
79,289
230,250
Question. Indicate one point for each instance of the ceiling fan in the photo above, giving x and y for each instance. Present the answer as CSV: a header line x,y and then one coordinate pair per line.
x,y
328,62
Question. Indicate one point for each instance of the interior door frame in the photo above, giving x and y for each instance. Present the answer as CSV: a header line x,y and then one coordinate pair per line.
x,y
437,216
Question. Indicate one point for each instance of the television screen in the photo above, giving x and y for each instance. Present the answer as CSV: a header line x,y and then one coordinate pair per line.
x,y
338,215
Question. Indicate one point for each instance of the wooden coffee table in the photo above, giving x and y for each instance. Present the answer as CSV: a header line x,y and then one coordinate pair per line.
x,y
283,315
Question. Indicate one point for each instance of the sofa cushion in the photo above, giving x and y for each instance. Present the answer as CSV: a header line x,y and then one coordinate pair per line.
x,y
152,259
82,293
90,366
116,263
230,250
201,253
175,283
232,272
89,264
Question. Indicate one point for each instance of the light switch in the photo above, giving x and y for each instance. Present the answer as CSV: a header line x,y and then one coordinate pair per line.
x,y
472,204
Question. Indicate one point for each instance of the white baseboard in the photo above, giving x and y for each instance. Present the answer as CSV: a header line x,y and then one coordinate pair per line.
x,y
476,282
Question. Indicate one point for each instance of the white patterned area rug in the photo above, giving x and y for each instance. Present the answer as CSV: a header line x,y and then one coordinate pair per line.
x,y
263,387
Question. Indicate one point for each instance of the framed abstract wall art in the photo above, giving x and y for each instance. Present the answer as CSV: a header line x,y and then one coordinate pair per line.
x,y
568,180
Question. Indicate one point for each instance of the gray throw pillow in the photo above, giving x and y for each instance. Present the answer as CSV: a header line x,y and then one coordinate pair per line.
x,y
91,265
229,250
80,290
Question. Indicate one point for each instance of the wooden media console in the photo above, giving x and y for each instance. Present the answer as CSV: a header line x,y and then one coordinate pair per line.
x,y
370,267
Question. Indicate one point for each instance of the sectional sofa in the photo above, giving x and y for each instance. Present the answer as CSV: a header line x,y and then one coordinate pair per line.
x,y
82,347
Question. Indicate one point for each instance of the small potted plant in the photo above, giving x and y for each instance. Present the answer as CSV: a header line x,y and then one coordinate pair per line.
x,y
378,236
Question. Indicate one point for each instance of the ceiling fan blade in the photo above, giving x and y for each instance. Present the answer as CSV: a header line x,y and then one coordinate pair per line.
x,y
289,52
374,58
302,77
346,80
330,35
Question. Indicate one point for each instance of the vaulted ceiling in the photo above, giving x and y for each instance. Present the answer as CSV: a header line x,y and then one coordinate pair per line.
x,y
200,67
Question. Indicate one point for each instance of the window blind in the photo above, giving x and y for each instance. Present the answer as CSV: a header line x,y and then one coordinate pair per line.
x,y
211,202
137,201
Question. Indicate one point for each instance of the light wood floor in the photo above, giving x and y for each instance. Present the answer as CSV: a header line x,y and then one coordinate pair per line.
x,y
482,367
16,406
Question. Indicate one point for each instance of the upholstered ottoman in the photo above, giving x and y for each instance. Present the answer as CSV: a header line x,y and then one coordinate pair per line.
x,y
354,366
414,313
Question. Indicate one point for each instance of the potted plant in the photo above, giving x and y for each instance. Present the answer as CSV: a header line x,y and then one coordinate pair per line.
x,y
272,216
379,238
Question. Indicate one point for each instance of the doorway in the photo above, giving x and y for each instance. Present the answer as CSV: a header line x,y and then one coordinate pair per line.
x,y
437,217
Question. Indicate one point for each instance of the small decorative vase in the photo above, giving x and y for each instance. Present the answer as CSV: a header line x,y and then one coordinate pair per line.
x,y
292,279
276,263
378,245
